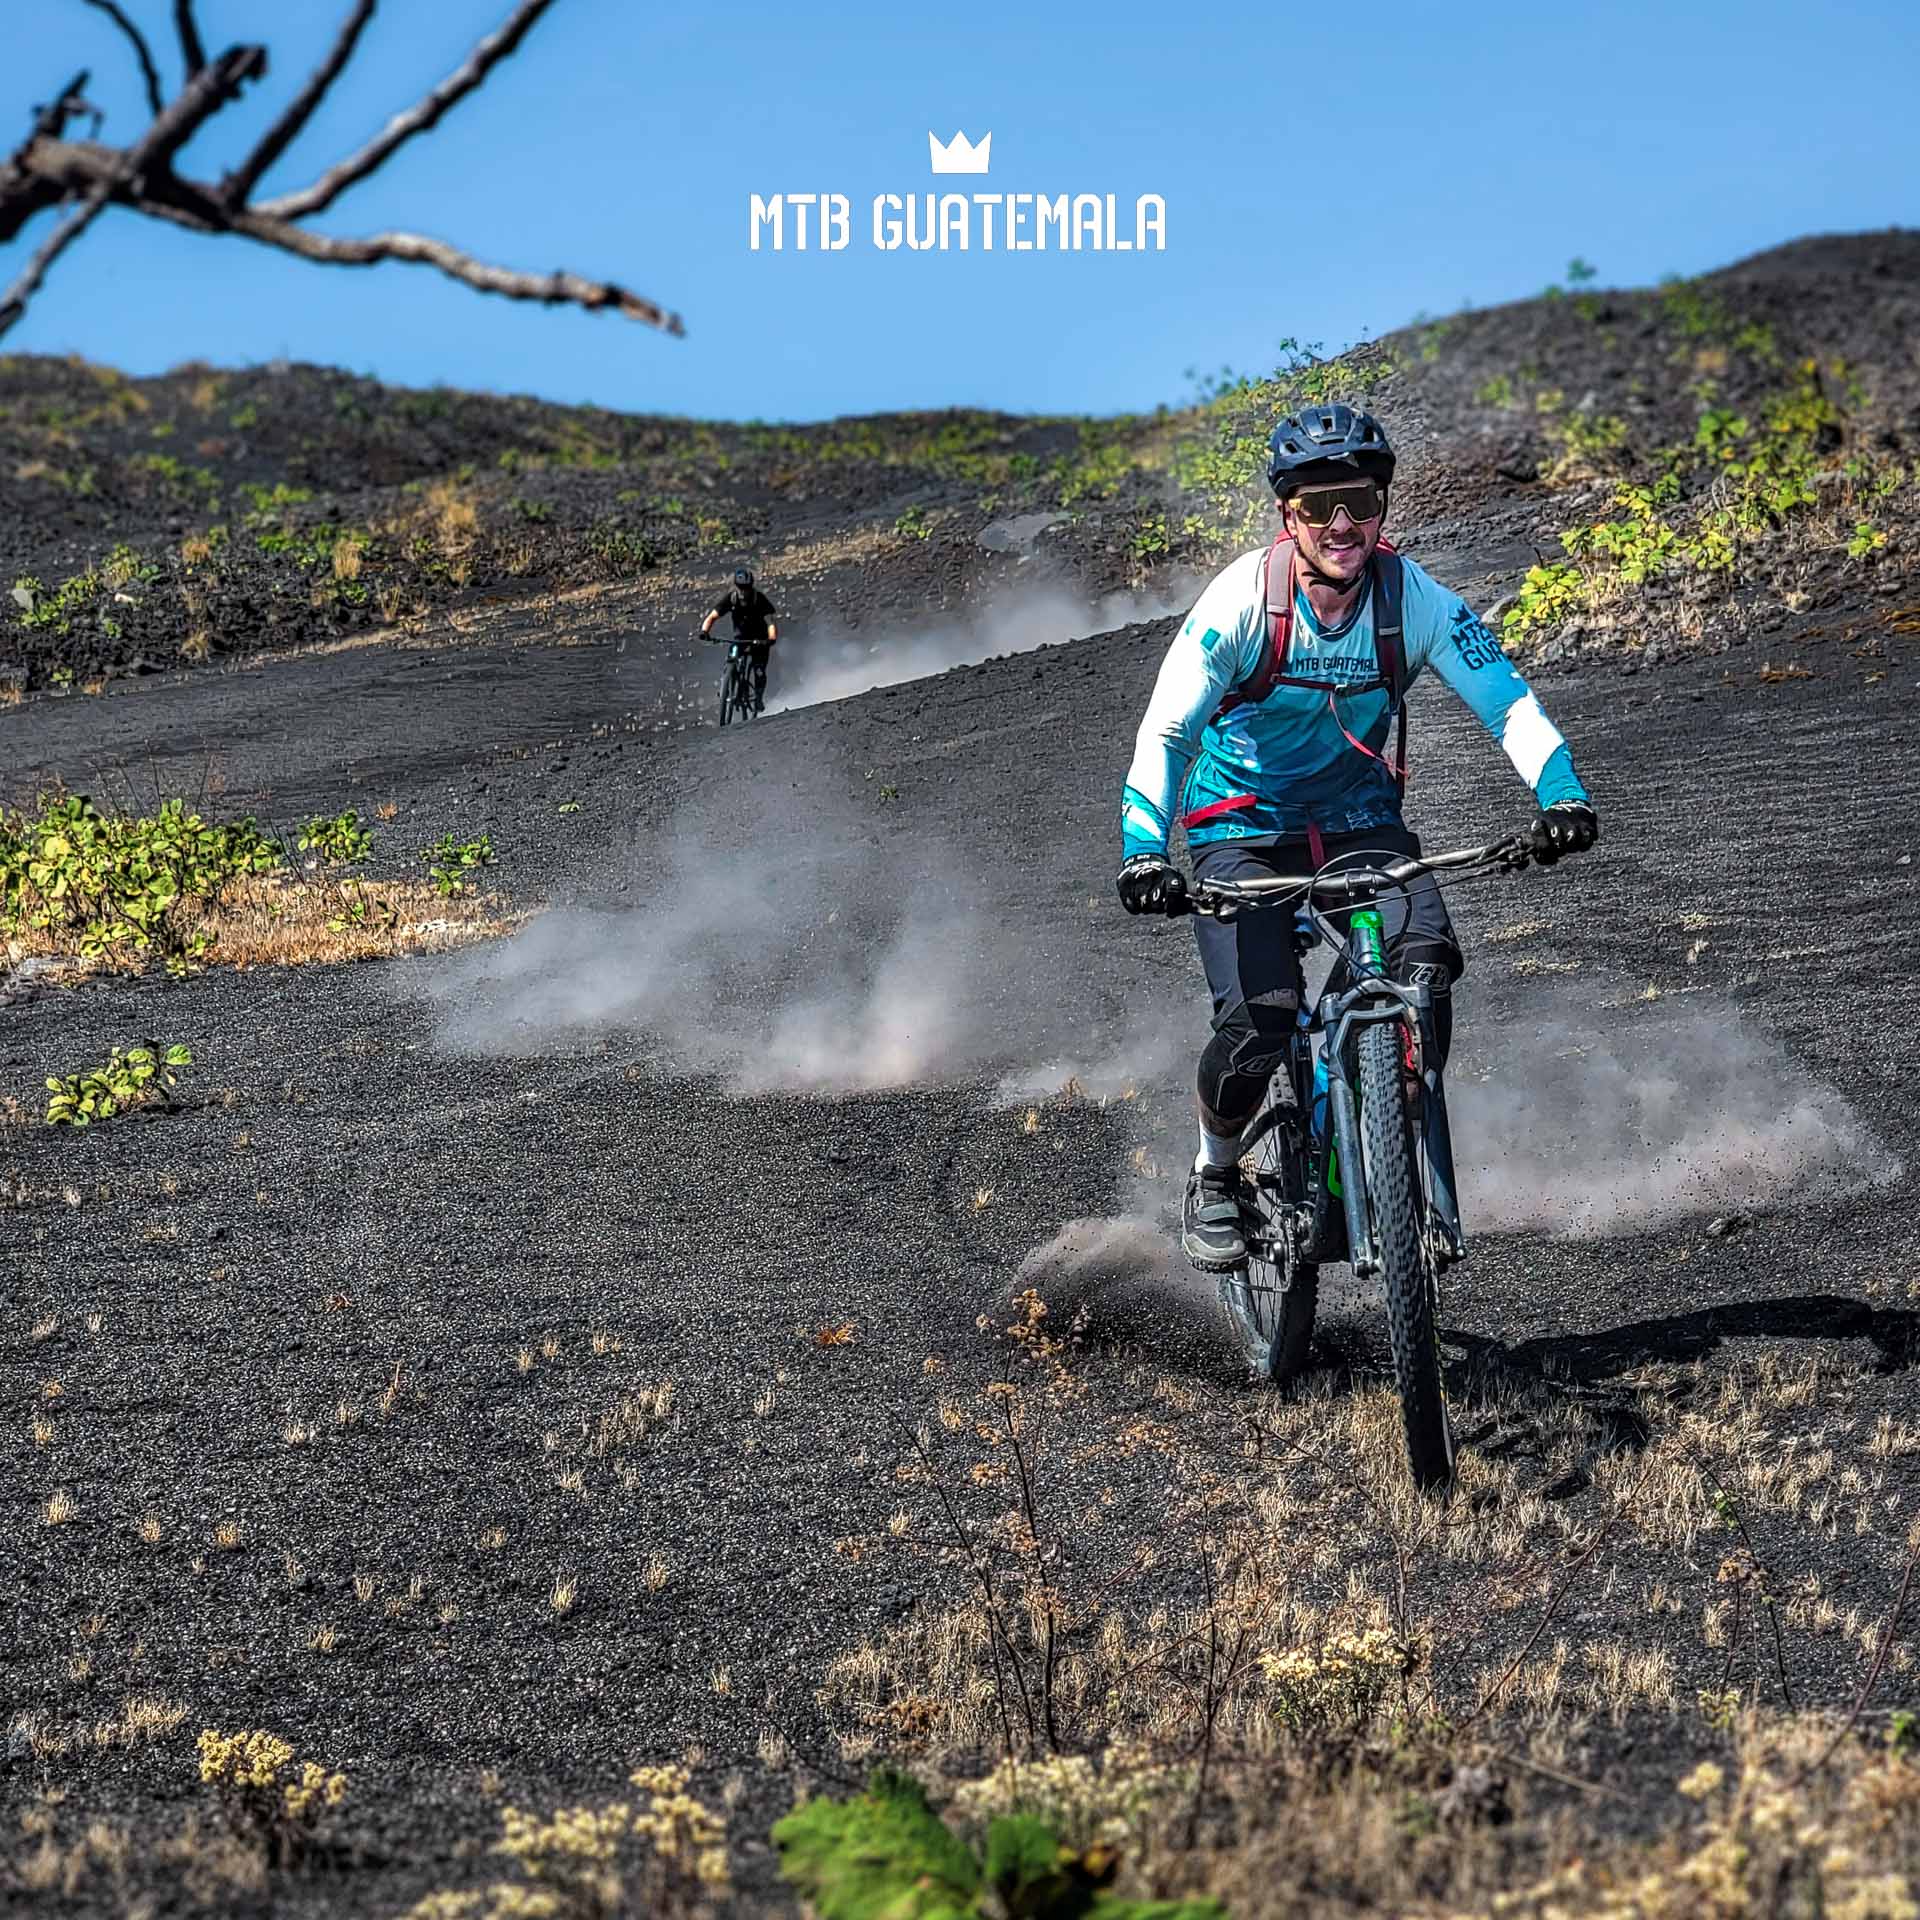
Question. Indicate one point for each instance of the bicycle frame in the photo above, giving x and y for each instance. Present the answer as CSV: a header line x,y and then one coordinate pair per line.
x,y
1369,997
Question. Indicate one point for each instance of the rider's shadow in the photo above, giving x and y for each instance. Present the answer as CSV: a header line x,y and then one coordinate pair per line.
x,y
1589,1358
1580,1366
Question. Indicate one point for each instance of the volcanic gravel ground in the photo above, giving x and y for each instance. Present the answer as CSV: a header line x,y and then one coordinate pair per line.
x,y
343,1213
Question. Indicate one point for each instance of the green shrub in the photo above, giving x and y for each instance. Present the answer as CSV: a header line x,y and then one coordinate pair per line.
x,y
450,861
129,1079
341,840
1150,537
885,1855
91,882
1550,591
619,551
1589,444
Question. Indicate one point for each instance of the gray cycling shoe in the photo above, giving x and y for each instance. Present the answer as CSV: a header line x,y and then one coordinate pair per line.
x,y
1213,1231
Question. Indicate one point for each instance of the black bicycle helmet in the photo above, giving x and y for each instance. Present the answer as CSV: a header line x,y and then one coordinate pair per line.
x,y
743,578
1327,443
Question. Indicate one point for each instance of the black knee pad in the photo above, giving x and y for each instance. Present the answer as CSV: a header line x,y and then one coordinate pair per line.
x,y
1247,1044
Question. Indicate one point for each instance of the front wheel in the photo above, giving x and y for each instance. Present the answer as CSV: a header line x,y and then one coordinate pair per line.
x,y
1395,1209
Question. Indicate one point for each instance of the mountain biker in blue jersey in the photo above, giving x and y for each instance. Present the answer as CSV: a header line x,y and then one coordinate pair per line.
x,y
1269,732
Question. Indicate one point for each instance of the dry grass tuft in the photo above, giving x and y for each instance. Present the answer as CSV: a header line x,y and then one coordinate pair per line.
x,y
290,920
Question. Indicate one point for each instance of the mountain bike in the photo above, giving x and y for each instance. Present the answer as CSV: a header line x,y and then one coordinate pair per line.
x,y
736,690
1350,1156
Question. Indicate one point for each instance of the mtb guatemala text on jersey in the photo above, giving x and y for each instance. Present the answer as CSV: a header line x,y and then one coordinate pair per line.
x,y
1303,759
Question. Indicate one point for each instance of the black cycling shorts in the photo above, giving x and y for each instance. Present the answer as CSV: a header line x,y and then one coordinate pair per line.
x,y
1255,975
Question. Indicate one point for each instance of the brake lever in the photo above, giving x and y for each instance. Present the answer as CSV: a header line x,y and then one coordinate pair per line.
x,y
1207,903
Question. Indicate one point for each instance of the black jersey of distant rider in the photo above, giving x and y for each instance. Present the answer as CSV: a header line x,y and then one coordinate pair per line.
x,y
751,611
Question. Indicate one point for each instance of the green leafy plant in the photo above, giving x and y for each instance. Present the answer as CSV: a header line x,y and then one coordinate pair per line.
x,y
451,861
1867,538
1589,444
91,882
131,1078
1150,537
339,838
913,524
1718,434
56,609
885,1855
1549,592
620,551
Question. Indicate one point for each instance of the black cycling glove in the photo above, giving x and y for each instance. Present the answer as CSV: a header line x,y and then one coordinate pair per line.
x,y
1568,826
1151,883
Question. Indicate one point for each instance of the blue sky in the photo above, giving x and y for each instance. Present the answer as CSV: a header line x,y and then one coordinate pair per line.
x,y
1329,172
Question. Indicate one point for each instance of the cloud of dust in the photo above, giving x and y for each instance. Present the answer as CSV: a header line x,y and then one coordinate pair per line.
x,y
1123,1281
823,662
1587,1133
779,958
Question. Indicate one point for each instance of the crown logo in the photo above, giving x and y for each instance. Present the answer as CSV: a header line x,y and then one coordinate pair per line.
x,y
958,155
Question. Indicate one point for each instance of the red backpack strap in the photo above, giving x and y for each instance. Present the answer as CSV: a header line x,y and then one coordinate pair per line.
x,y
1276,594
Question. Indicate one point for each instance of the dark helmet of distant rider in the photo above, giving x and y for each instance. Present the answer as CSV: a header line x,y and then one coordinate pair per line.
x,y
742,585
1332,453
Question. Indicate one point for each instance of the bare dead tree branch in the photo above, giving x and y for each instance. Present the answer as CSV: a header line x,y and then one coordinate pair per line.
x,y
191,50
239,185
417,119
141,51
210,89
13,303
555,289
84,176
205,95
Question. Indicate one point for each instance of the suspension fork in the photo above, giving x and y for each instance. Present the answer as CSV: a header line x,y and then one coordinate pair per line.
x,y
1443,1185
1345,1160
1344,1178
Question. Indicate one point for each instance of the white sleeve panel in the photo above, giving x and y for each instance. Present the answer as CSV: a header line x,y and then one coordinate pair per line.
x,y
1530,738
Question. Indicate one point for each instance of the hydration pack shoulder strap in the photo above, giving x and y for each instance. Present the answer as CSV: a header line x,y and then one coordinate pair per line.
x,y
1277,588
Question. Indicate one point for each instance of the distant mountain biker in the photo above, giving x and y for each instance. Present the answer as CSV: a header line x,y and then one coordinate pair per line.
x,y
1270,724
754,627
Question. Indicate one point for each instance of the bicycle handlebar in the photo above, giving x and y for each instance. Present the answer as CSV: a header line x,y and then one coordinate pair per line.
x,y
1353,883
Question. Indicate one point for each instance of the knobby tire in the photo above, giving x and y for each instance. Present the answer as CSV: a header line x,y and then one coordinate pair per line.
x,y
1270,1304
1395,1209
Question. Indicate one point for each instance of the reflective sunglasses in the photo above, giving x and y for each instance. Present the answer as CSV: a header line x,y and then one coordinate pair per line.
x,y
1362,499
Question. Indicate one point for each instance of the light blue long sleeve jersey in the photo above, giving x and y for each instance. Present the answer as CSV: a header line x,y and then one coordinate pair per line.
x,y
1284,765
